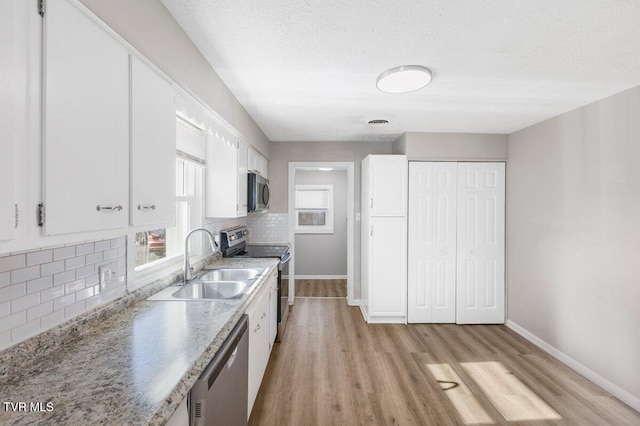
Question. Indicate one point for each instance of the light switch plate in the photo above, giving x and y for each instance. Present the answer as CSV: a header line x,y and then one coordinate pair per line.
x,y
108,276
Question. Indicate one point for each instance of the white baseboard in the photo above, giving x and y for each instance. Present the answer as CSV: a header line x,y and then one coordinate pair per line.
x,y
363,311
380,320
387,320
612,388
318,277
354,302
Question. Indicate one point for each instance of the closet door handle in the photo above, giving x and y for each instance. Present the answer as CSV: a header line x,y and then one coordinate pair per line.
x,y
146,207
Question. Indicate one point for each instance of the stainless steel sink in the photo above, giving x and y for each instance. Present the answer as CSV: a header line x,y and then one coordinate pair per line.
x,y
230,274
211,290
215,284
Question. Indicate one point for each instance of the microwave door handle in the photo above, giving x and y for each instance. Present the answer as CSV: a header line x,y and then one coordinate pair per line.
x,y
265,195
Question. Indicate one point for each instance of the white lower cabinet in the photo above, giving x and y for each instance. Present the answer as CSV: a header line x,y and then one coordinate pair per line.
x,y
273,309
456,243
387,271
181,416
260,341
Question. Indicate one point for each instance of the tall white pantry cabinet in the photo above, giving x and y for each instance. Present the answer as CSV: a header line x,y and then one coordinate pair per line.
x,y
456,242
384,238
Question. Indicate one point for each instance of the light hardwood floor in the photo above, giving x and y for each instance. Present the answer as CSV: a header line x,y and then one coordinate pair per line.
x,y
321,288
334,369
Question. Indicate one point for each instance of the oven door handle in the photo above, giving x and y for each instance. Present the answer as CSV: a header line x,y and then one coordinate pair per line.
x,y
284,259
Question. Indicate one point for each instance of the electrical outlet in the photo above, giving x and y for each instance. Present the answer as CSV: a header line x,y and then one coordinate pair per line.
x,y
108,276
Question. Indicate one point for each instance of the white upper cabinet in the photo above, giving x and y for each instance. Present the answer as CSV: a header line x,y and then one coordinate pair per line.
x,y
8,41
243,167
257,163
153,147
388,192
86,124
222,176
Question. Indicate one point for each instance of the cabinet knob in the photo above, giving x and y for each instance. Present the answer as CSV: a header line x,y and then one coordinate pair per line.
x,y
117,208
264,314
146,207
257,328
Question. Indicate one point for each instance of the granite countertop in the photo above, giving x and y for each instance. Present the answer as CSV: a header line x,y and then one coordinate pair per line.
x,y
132,367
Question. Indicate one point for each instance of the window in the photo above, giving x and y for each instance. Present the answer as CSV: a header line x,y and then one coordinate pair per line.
x,y
155,246
314,209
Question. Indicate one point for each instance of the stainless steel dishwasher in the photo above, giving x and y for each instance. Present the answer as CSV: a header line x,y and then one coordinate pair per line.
x,y
219,397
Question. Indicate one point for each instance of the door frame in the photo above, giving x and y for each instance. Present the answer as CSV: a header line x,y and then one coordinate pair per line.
x,y
349,167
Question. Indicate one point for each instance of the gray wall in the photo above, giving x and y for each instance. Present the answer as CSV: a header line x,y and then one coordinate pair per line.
x,y
325,254
284,152
151,29
573,227
451,146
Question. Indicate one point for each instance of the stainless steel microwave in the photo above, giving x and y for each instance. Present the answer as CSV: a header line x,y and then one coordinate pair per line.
x,y
258,193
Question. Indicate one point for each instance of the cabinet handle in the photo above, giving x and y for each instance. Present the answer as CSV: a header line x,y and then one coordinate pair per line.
x,y
372,230
146,207
257,328
117,208
372,203
264,314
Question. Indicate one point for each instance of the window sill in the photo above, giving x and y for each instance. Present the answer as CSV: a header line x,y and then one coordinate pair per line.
x,y
147,274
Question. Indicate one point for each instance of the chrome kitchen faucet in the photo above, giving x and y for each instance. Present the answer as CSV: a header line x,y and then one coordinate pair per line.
x,y
187,269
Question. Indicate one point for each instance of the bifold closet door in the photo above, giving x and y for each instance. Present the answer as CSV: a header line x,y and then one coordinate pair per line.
x,y
480,243
432,242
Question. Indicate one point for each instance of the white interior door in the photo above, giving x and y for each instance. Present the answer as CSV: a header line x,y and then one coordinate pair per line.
x,y
432,242
480,254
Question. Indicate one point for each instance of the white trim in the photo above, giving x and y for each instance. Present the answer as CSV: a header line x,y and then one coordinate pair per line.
x,y
355,302
387,320
349,167
318,277
612,388
321,297
379,319
363,311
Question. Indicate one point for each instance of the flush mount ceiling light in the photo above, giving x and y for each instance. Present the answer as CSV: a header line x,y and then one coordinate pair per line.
x,y
404,79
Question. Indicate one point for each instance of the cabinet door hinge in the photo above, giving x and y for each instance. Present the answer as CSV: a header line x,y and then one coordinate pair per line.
x,y
42,4
41,214
17,216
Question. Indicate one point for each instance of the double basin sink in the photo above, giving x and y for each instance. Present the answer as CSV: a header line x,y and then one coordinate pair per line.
x,y
214,284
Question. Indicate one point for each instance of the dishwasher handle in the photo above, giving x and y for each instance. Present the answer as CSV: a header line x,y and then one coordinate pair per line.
x,y
226,354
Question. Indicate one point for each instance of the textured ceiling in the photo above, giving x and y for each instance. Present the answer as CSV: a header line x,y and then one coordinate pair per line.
x,y
306,69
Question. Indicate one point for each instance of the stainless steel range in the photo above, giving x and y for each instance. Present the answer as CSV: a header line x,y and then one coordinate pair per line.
x,y
233,243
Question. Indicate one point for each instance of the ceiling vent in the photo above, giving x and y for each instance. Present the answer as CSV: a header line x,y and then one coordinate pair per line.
x,y
378,122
